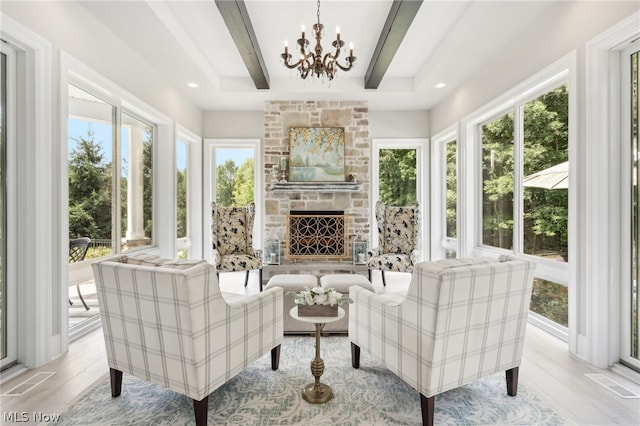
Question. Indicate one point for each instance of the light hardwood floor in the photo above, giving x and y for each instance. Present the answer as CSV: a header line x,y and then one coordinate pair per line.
x,y
547,370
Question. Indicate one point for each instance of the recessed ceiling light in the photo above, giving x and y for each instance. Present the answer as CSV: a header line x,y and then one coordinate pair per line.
x,y
440,85
193,85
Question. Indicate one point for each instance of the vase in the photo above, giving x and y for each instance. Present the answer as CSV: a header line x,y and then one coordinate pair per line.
x,y
317,310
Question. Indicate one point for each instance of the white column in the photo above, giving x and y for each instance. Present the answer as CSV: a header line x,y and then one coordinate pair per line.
x,y
135,188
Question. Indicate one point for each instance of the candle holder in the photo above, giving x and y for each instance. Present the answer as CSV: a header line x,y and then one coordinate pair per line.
x,y
360,249
272,251
275,172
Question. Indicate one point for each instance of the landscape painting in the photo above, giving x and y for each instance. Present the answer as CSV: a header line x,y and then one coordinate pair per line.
x,y
316,154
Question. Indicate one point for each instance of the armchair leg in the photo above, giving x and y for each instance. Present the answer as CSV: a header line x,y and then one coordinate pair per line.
x,y
200,409
116,382
369,271
246,279
275,358
427,406
260,278
384,282
355,355
512,381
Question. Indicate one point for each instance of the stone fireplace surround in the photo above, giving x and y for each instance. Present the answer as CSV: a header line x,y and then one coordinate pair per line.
x,y
354,200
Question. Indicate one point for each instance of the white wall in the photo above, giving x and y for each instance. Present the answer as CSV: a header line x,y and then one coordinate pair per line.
x,y
382,124
399,124
233,124
548,40
71,28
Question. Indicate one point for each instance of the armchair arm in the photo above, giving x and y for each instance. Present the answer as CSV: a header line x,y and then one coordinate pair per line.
x,y
369,315
374,252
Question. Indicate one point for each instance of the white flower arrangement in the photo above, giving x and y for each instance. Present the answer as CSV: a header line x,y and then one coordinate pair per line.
x,y
320,296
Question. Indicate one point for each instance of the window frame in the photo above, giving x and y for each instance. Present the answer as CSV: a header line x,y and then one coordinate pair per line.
x,y
513,101
76,73
423,182
440,242
209,147
193,241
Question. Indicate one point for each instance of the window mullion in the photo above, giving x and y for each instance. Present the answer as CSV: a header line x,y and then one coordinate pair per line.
x,y
115,182
518,170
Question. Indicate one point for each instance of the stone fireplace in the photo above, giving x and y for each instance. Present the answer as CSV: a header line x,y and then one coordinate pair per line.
x,y
350,198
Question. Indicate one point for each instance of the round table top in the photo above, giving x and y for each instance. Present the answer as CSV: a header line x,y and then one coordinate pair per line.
x,y
316,320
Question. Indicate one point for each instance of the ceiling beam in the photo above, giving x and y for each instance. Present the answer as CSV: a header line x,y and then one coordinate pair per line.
x,y
236,18
395,28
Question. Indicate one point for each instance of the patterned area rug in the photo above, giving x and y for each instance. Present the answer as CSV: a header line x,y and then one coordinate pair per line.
x,y
371,395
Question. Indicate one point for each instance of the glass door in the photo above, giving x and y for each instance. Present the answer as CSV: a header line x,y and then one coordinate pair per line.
x,y
630,156
8,287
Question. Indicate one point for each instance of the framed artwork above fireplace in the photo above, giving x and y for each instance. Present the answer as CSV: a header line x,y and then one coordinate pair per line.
x,y
316,154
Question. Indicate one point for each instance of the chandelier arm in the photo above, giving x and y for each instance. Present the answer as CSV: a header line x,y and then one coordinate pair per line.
x,y
347,67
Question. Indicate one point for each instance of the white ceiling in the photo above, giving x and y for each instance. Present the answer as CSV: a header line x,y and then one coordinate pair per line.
x,y
189,42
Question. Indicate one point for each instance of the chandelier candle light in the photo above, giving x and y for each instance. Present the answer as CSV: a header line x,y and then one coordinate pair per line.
x,y
313,61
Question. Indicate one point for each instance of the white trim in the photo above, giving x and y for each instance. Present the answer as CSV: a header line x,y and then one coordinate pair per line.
x,y
39,316
11,215
209,187
423,183
602,201
194,192
439,240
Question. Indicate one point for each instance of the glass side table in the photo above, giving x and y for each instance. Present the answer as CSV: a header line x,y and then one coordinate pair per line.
x,y
316,392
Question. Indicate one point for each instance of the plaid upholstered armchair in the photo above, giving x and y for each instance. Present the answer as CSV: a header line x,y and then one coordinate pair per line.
x,y
461,320
167,322
398,238
232,239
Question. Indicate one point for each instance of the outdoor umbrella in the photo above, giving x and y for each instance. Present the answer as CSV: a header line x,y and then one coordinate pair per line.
x,y
555,177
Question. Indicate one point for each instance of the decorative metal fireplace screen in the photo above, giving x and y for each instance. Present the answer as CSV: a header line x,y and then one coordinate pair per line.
x,y
316,234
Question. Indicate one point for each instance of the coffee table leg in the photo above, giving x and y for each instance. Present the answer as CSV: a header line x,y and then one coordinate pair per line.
x,y
317,393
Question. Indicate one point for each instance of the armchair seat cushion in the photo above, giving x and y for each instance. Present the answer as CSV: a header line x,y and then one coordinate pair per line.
x,y
239,262
391,262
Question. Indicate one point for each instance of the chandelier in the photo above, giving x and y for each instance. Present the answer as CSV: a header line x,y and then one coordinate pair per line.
x,y
312,61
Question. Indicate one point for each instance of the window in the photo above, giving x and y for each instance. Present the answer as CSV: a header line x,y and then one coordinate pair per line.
x,y
235,178
110,178
182,195
444,240
232,176
524,181
399,177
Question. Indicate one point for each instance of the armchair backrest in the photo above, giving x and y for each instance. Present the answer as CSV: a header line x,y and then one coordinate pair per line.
x,y
471,315
232,229
398,228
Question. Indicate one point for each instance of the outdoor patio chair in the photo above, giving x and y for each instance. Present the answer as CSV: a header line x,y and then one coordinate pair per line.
x,y
77,251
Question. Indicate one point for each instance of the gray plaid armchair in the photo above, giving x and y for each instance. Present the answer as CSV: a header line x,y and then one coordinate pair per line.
x,y
398,238
232,240
166,321
460,320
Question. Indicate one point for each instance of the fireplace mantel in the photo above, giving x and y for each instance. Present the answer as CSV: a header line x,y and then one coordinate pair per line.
x,y
316,186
